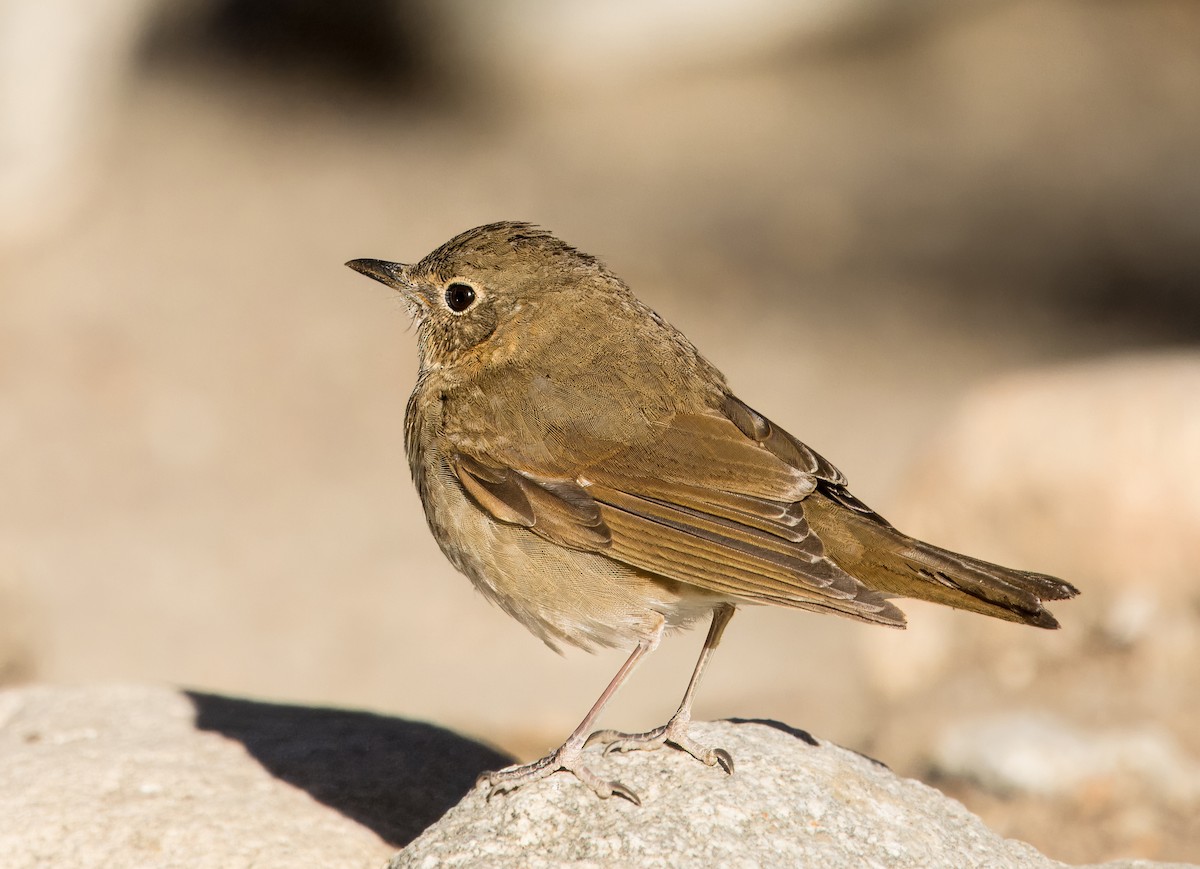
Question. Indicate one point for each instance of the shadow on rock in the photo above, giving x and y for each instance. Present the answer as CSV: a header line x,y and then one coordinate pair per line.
x,y
802,735
393,776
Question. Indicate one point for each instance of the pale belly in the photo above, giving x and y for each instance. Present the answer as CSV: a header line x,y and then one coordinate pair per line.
x,y
564,596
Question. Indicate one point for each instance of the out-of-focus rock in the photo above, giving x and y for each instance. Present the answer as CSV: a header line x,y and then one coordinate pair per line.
x,y
17,627
63,64
152,777
791,802
1027,753
1090,472
898,664
62,69
578,43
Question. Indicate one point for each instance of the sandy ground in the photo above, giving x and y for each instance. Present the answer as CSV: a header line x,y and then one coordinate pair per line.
x,y
202,409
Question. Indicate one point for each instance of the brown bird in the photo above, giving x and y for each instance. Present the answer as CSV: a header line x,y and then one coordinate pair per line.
x,y
595,477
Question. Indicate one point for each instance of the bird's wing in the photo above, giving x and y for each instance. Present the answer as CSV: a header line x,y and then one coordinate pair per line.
x,y
559,510
716,502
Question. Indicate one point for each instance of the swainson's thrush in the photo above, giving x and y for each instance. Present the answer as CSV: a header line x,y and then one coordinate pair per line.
x,y
594,475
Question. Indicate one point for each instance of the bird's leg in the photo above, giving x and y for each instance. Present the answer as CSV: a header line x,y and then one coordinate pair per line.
x,y
569,755
674,732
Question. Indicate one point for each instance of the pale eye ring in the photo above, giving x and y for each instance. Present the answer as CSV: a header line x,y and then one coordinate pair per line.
x,y
459,297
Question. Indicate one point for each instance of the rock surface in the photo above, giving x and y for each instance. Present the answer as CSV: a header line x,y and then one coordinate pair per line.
x,y
1019,753
793,801
149,777
1088,471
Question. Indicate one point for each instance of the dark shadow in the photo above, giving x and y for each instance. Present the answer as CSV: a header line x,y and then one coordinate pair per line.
x,y
802,735
380,50
879,763
391,775
375,44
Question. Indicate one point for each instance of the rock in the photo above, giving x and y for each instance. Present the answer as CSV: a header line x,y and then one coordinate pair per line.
x,y
147,777
135,776
64,107
1137,864
1087,471
546,44
18,631
793,801
1022,753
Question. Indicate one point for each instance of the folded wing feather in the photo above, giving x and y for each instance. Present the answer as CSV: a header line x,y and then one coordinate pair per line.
x,y
709,504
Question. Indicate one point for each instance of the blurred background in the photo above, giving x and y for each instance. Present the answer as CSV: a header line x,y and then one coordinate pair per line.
x,y
953,246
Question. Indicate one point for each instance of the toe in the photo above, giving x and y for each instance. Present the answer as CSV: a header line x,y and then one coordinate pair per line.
x,y
604,737
496,790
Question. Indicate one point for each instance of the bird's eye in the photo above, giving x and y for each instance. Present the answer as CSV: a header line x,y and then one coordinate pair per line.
x,y
459,297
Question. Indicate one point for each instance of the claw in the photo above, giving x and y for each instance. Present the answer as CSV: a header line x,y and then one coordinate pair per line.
x,y
724,758
620,790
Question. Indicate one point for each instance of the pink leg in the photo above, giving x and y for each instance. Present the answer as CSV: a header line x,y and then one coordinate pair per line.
x,y
674,732
568,756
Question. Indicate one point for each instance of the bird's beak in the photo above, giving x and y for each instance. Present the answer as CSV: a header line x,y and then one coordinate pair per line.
x,y
394,275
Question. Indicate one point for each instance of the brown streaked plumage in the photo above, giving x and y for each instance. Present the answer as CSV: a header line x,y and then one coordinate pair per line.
x,y
594,475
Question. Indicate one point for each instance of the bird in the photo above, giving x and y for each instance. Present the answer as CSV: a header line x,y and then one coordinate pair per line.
x,y
595,476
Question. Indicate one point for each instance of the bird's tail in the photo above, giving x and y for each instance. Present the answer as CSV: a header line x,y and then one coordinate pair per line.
x,y
895,564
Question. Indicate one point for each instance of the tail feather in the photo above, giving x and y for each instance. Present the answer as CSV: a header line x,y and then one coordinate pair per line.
x,y
968,583
893,563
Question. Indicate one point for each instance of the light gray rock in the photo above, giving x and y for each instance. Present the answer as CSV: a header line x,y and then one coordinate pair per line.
x,y
150,777
793,801
1137,864
1087,471
1037,753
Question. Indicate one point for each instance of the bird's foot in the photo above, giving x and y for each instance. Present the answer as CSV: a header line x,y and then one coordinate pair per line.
x,y
673,733
568,757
